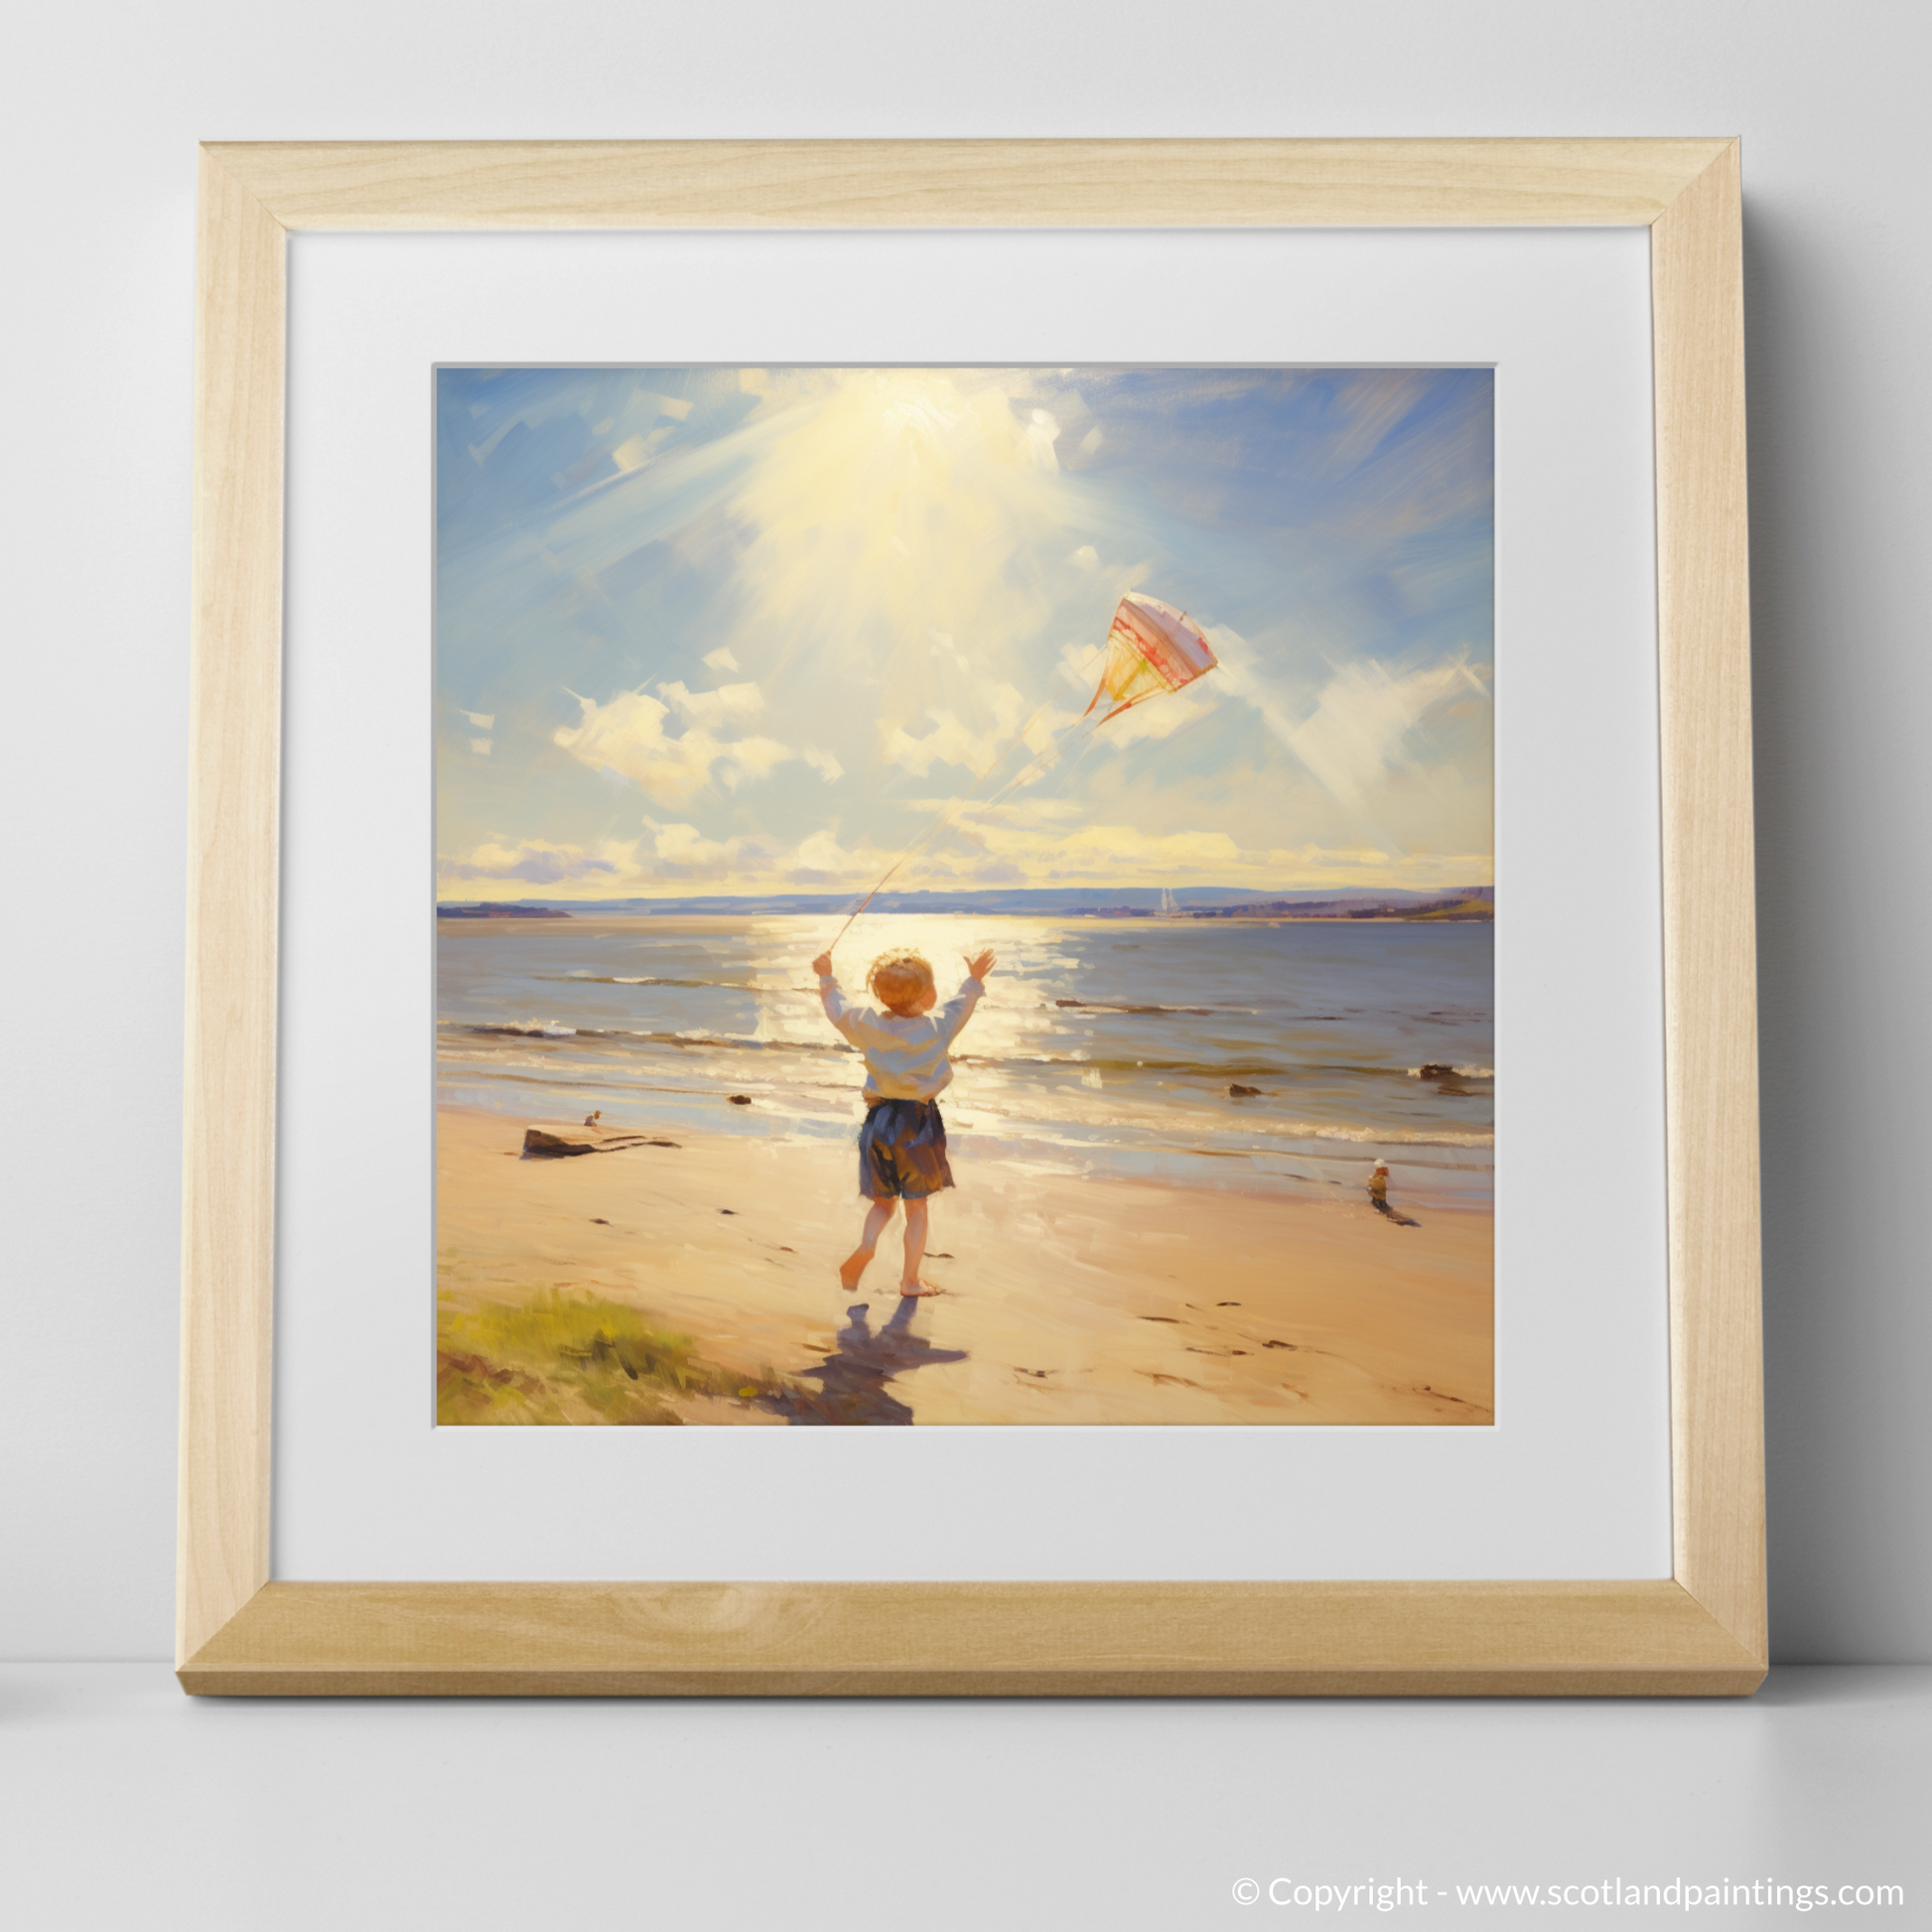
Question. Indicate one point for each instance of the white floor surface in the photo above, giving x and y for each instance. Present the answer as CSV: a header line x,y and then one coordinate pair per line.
x,y
125,1804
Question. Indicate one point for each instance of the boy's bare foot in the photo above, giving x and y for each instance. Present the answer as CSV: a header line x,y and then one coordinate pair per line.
x,y
853,1266
913,1290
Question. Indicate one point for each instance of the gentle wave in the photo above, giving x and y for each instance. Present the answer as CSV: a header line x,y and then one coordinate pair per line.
x,y
629,1036
645,979
1116,1005
1217,1069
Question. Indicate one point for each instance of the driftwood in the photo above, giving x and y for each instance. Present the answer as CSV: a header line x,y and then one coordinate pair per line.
x,y
556,1142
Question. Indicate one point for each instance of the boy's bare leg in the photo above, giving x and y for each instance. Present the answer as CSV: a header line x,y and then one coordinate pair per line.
x,y
854,1265
910,1283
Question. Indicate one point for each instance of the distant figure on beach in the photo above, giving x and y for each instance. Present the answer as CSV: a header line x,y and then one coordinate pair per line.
x,y
902,1145
591,1120
1378,1197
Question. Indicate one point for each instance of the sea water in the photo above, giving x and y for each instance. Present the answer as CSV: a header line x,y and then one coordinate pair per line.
x,y
1102,1046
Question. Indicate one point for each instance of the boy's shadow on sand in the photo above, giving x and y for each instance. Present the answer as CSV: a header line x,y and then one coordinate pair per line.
x,y
852,1382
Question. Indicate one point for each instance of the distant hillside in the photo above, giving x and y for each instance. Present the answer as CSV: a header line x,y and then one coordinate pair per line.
x,y
1460,903
1077,901
501,911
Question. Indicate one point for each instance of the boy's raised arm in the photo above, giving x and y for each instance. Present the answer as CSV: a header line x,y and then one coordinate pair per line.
x,y
959,1009
829,996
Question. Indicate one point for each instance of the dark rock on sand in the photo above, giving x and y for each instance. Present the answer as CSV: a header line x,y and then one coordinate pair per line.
x,y
1236,1091
559,1143
741,1100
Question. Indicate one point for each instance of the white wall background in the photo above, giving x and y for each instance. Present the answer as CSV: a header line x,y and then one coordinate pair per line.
x,y
104,105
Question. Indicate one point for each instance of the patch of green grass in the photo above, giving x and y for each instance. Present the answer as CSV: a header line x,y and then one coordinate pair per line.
x,y
571,1358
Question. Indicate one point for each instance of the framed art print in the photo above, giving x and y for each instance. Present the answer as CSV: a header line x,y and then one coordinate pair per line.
x,y
1041,917
1110,685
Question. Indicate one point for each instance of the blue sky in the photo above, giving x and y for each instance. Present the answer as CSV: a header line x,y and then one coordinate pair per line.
x,y
747,630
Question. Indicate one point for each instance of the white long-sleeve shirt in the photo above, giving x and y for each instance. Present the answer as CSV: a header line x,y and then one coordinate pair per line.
x,y
906,1053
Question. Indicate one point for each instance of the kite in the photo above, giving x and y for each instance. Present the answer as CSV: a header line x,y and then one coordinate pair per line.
x,y
1152,650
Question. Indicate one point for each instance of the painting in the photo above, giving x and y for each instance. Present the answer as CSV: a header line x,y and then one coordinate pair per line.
x,y
964,895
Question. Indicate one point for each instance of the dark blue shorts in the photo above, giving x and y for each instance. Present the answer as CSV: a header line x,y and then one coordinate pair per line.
x,y
903,1151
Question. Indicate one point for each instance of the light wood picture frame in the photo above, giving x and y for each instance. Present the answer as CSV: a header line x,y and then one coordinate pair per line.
x,y
1701,1631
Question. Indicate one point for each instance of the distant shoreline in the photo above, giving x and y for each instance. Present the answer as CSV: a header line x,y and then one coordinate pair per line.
x,y
1462,904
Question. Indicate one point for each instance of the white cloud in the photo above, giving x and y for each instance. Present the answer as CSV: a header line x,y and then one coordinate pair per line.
x,y
750,757
480,746
1358,729
483,720
1112,850
537,861
1087,557
947,743
952,742
1019,811
1002,848
627,737
684,847
821,861
821,850
721,659
1365,713
731,703
1154,718
825,765
1042,434
671,857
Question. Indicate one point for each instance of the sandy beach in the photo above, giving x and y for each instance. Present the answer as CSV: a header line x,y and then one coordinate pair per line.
x,y
711,1270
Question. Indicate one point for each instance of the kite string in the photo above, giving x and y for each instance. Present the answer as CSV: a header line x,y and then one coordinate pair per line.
x,y
1080,732
960,804
933,829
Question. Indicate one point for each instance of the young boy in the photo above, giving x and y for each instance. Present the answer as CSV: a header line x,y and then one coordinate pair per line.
x,y
902,1145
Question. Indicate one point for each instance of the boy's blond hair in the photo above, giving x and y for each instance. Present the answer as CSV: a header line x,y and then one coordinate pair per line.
x,y
899,978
